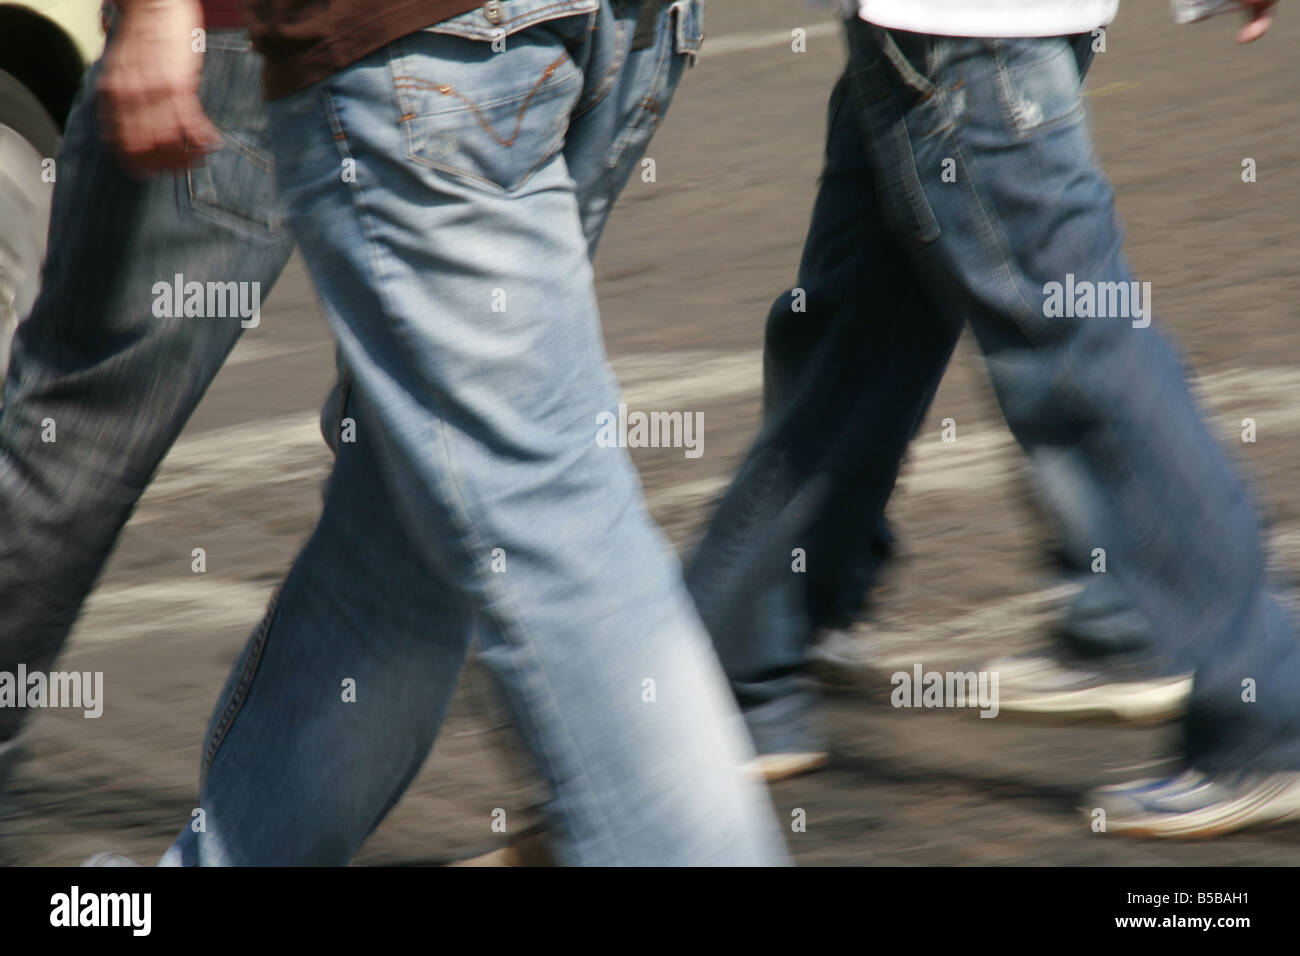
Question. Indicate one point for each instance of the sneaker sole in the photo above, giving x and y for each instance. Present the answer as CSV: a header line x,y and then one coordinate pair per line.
x,y
774,767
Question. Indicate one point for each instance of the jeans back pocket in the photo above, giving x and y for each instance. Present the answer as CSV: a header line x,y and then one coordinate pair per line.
x,y
235,185
486,96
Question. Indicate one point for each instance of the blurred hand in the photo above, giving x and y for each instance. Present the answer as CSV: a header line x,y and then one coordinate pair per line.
x,y
149,88
1259,22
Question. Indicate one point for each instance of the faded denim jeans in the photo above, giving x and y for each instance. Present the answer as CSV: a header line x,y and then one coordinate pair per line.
x,y
453,263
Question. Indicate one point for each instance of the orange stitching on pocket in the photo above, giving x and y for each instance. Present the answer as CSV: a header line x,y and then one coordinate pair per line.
x,y
411,83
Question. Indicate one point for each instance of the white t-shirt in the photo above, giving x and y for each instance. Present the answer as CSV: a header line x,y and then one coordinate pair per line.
x,y
990,18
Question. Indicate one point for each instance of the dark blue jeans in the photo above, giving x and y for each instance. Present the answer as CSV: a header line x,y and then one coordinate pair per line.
x,y
1120,449
802,340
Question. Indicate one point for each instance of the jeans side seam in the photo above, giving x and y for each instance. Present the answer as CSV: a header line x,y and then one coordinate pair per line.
x,y
240,692
503,613
992,242
619,146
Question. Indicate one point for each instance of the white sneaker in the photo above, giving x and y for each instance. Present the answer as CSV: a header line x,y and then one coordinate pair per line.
x,y
1196,804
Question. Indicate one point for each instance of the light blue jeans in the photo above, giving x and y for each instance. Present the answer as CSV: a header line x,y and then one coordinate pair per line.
x,y
447,198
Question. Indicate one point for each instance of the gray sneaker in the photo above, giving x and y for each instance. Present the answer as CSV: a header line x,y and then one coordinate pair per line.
x,y
1195,805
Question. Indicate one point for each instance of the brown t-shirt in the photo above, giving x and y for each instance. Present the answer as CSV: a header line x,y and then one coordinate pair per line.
x,y
304,41
221,14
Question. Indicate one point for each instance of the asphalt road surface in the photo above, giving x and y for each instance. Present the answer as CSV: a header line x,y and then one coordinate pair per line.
x,y
686,273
